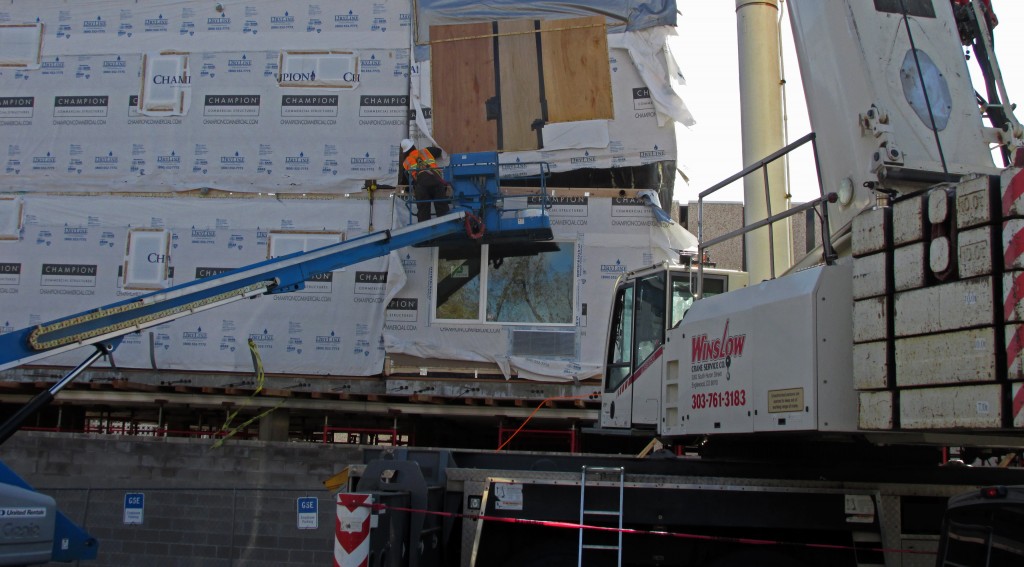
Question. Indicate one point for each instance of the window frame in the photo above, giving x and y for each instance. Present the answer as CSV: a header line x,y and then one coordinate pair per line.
x,y
619,362
133,253
33,60
182,91
485,280
320,56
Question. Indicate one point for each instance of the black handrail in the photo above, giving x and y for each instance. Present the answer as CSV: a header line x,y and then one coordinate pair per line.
x,y
826,236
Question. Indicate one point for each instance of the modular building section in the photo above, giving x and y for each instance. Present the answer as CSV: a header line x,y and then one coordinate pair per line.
x,y
111,100
294,97
255,97
67,252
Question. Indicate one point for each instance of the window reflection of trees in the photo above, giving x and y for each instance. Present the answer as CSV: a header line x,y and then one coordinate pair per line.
x,y
530,289
536,289
458,291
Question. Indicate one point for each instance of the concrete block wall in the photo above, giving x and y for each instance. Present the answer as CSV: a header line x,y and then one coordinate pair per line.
x,y
228,506
719,219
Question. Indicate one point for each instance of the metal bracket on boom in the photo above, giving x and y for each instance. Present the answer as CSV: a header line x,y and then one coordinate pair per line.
x,y
43,398
876,122
1012,137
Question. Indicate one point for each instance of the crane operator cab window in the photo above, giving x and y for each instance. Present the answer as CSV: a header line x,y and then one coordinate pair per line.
x,y
638,327
638,318
620,348
682,294
650,317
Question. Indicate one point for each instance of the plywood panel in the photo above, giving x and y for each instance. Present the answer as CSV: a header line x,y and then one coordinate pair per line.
x,y
577,77
462,80
519,84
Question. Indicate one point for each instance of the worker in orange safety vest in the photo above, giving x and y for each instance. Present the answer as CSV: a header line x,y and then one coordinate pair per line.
x,y
425,177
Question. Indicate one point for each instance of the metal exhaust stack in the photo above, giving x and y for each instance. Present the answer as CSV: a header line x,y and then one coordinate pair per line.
x,y
761,115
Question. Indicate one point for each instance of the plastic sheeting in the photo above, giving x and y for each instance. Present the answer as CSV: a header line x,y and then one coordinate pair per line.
x,y
659,71
607,237
645,104
75,123
258,115
74,254
622,15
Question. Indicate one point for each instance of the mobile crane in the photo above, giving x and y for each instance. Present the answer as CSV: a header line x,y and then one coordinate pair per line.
x,y
35,532
819,400
919,144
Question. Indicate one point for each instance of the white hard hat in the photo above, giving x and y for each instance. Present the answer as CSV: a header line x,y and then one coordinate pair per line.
x,y
406,144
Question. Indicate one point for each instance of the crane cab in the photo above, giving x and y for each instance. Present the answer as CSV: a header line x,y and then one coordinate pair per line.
x,y
647,303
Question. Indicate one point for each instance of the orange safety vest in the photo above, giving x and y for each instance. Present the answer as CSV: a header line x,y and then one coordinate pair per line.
x,y
418,160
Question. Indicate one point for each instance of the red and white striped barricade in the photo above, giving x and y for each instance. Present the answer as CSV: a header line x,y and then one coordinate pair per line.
x,y
352,531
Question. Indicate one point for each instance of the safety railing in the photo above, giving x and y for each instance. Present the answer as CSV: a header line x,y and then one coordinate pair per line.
x,y
828,253
476,182
130,430
571,436
530,189
389,437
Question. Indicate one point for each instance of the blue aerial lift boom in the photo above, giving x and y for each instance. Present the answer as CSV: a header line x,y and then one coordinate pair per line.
x,y
480,212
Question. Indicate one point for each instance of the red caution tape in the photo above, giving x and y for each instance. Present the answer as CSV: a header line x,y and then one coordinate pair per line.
x,y
700,537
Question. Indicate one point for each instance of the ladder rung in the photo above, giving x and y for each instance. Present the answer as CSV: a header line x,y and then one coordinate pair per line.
x,y
604,469
590,478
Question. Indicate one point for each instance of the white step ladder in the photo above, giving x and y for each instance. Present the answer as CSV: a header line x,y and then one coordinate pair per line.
x,y
593,475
